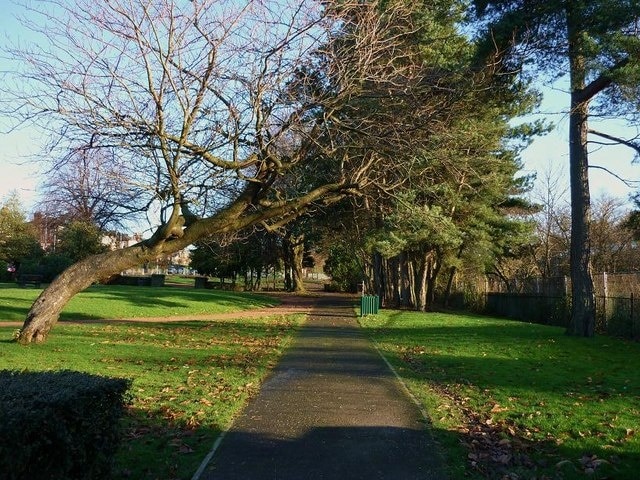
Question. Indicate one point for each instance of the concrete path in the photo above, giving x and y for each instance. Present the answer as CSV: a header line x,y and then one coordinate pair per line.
x,y
331,409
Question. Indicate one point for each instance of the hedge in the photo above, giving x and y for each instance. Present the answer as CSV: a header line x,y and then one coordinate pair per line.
x,y
59,425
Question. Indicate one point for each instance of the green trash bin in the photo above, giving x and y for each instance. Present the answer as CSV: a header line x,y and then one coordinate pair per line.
x,y
369,305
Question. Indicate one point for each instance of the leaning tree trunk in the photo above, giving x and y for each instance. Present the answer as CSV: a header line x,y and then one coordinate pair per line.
x,y
45,311
168,238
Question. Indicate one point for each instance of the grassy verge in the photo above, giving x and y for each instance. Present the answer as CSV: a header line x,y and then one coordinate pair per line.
x,y
189,380
515,400
119,301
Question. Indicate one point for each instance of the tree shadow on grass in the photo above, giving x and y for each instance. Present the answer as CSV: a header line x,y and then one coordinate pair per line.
x,y
594,385
155,446
13,313
179,300
171,301
147,295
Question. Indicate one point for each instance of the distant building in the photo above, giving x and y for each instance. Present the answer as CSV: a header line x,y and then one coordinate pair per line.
x,y
117,240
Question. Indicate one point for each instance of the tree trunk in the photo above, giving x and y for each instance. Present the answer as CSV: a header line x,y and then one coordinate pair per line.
x,y
288,283
404,281
293,255
451,276
434,271
421,289
582,295
583,311
391,275
379,280
45,311
447,292
297,257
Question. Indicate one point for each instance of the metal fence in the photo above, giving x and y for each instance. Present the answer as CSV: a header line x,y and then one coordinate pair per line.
x,y
616,316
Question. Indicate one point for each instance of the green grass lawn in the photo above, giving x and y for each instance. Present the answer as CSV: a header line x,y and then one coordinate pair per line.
x,y
189,378
515,398
120,301
183,280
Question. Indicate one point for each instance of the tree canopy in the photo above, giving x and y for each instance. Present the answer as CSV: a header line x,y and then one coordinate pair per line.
x,y
18,239
213,104
449,203
215,117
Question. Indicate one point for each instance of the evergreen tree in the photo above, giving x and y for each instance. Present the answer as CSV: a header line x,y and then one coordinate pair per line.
x,y
79,240
459,182
18,240
595,43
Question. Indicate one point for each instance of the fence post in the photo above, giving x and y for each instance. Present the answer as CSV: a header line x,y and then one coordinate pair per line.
x,y
605,294
633,323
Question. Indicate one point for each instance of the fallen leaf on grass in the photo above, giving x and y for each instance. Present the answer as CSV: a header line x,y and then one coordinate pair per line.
x,y
497,408
180,445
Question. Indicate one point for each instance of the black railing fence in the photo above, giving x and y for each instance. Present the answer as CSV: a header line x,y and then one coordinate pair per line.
x,y
549,303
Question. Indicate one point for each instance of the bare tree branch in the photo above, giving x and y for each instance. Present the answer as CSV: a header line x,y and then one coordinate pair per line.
x,y
628,143
628,183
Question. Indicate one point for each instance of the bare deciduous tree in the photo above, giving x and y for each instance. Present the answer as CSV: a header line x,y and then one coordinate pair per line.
x,y
91,187
212,102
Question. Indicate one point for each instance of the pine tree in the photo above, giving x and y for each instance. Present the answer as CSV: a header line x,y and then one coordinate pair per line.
x,y
595,43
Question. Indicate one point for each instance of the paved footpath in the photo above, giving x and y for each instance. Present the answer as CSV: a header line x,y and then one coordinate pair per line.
x,y
331,409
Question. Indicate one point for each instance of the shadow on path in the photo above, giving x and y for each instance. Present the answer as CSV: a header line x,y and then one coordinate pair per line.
x,y
331,409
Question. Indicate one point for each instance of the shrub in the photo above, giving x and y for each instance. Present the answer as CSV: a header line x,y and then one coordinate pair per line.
x,y
59,424
343,267
49,266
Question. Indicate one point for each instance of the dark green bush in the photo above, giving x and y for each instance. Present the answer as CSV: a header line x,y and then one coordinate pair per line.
x,y
49,266
344,268
59,425
5,275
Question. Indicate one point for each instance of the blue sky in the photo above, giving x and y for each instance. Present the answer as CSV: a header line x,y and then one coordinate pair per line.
x,y
16,148
19,173
552,150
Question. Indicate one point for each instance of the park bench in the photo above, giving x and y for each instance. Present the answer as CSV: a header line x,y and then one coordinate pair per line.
x,y
25,279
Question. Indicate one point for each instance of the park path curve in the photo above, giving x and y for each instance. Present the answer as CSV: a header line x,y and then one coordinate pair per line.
x,y
331,409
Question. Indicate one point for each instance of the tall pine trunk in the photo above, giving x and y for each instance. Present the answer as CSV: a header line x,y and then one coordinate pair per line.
x,y
378,278
583,310
405,281
420,276
435,264
582,294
